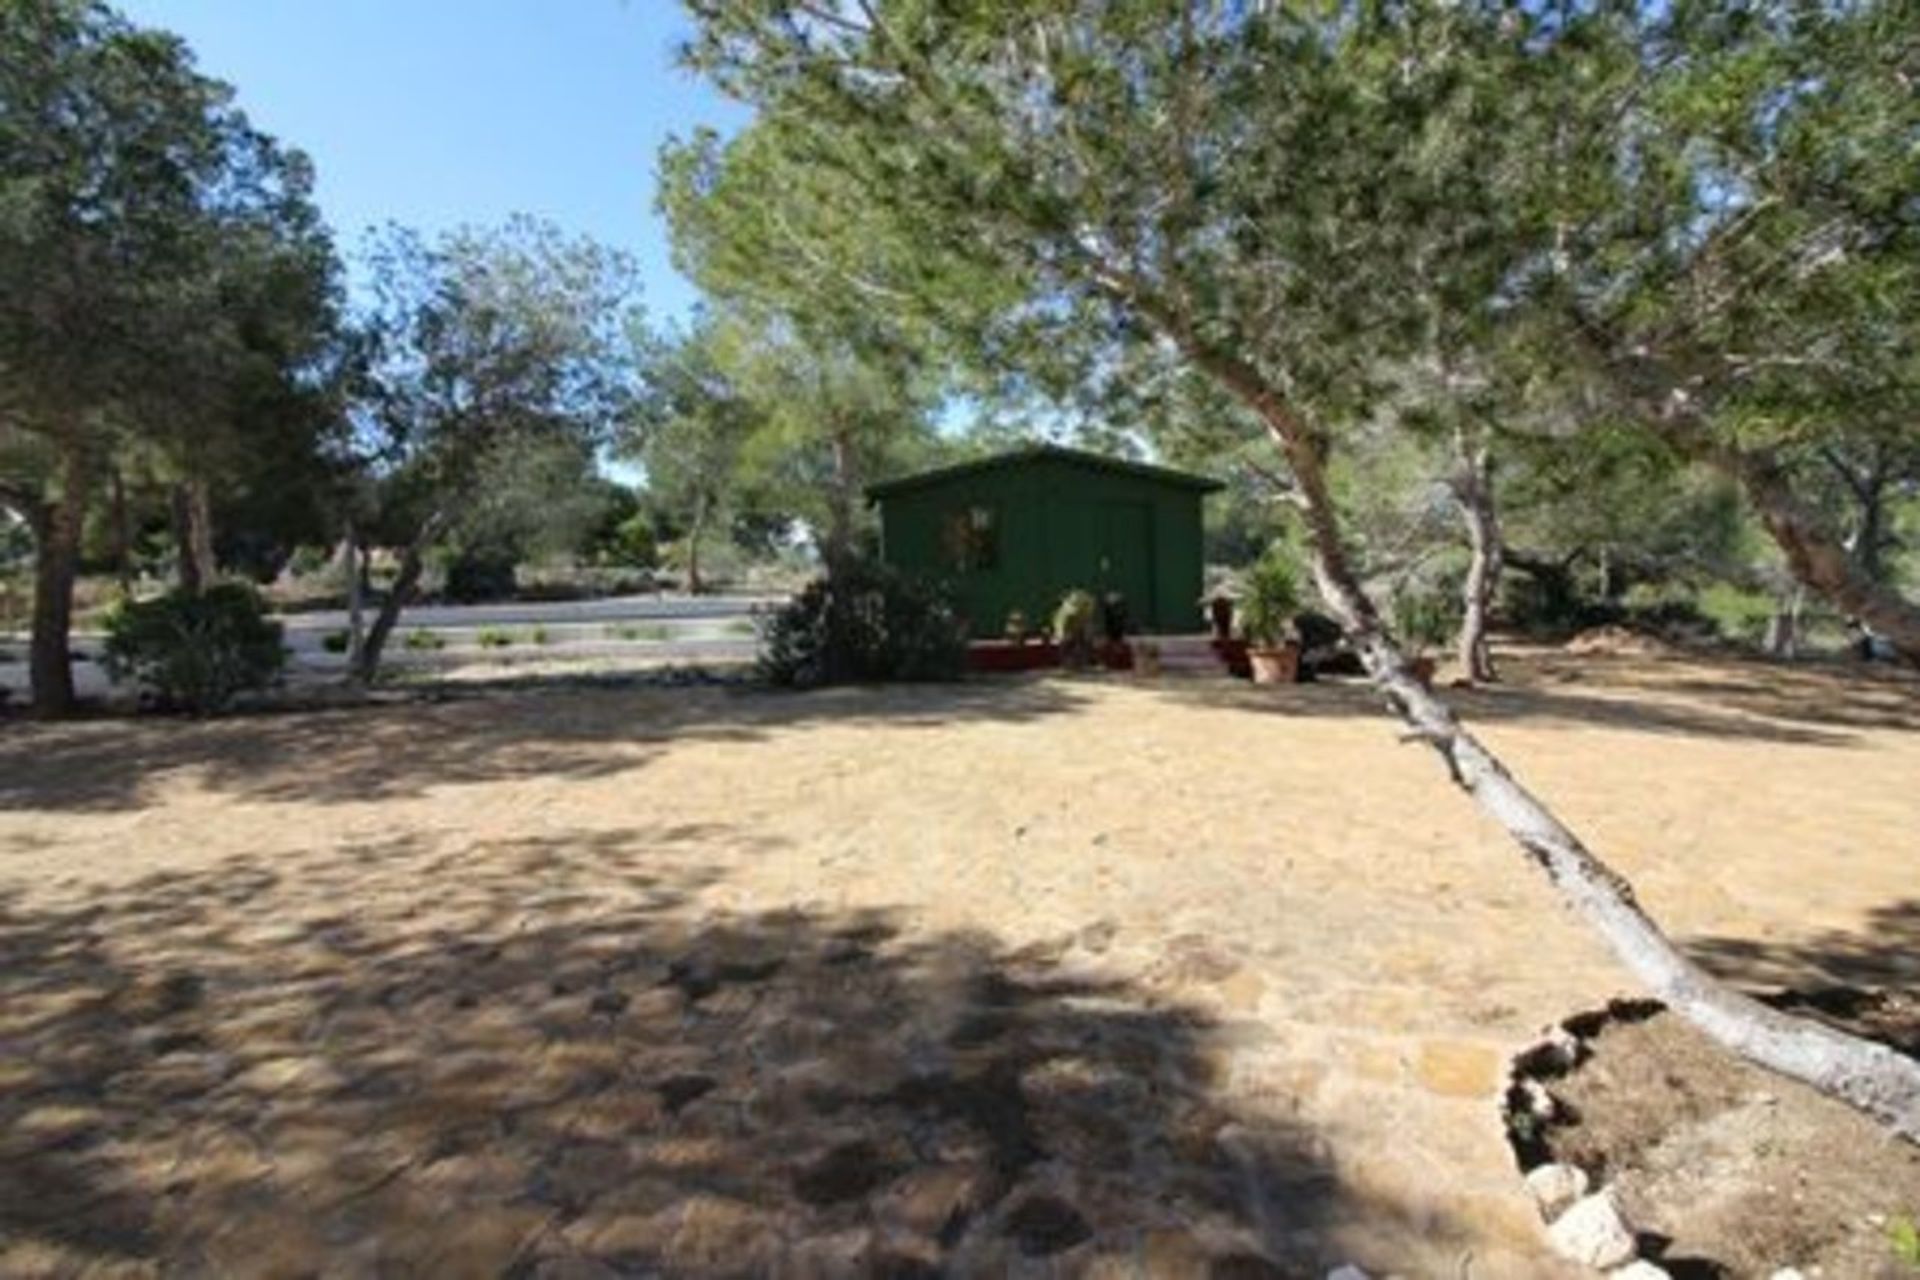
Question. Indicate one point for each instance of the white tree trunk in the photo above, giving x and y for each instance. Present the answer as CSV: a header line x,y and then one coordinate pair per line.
x,y
1473,494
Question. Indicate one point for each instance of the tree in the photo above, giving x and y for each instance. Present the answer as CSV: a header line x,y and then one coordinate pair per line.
x,y
1245,191
1735,260
125,177
689,428
486,345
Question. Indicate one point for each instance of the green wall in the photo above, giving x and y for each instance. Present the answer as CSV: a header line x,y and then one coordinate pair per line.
x,y
1061,525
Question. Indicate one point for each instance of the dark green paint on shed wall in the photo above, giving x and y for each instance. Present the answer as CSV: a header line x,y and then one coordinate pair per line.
x,y
1060,519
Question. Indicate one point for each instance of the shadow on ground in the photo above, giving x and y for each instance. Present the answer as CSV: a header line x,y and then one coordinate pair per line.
x,y
539,1058
378,752
1886,953
1700,697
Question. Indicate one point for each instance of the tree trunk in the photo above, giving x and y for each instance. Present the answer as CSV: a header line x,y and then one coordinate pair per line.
x,y
695,532
57,533
122,535
412,564
1871,1076
840,498
1819,562
356,600
1815,558
1473,494
193,535
1783,628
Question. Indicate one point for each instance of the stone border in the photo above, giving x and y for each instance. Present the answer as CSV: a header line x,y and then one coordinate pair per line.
x,y
1583,1223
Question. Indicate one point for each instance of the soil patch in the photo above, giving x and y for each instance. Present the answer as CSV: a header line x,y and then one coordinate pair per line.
x,y
1732,1171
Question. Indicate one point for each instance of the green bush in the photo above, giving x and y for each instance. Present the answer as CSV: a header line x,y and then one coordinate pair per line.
x,y
421,638
539,635
632,543
867,623
336,641
494,638
1425,618
1269,599
1074,621
478,575
195,652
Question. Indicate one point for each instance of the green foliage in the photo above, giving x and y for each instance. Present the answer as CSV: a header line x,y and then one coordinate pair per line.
x,y
646,631
494,638
1425,617
195,653
479,574
1269,599
1743,615
336,641
1904,1239
631,544
539,635
422,639
864,623
1075,620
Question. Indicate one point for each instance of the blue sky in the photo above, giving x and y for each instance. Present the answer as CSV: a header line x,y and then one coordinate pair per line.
x,y
435,113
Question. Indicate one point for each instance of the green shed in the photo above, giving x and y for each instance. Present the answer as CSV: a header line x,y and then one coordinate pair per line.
x,y
1019,530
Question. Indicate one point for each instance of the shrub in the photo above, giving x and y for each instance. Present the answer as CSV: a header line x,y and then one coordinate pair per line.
x,y
866,623
1073,623
1269,599
336,641
421,638
539,635
479,575
493,638
1425,618
632,543
195,652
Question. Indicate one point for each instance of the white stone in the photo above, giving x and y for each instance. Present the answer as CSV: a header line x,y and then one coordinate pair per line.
x,y
1788,1273
1347,1271
1537,1100
1639,1269
1555,1186
1592,1233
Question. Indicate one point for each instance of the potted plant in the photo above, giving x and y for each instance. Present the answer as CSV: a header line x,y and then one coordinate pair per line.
x,y
1074,624
1269,598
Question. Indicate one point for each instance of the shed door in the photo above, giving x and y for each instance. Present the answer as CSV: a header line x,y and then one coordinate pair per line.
x,y
1126,557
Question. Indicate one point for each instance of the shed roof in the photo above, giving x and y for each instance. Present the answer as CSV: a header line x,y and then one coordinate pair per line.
x,y
1029,454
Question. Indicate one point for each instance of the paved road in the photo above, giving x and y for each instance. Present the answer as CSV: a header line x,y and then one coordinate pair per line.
x,y
550,613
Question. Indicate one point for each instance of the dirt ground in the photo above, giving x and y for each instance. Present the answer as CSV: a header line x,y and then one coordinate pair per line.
x,y
1058,976
1735,1172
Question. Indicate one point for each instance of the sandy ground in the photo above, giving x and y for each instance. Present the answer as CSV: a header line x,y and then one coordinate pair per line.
x,y
1055,976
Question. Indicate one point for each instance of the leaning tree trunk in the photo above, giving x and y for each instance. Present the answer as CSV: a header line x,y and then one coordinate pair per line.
x,y
1871,1076
1820,562
1814,557
57,531
1473,494
412,564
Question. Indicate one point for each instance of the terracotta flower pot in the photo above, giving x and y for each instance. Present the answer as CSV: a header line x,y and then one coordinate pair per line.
x,y
1275,666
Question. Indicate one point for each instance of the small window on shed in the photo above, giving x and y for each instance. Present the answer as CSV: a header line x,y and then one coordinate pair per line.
x,y
972,539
